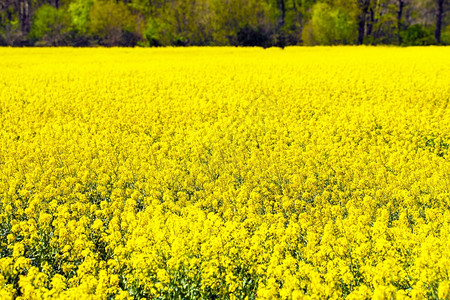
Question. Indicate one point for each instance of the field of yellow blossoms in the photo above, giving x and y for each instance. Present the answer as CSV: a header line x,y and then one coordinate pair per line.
x,y
225,173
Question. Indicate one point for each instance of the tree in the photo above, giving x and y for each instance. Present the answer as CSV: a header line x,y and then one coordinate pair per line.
x,y
281,40
113,24
24,9
364,8
150,8
400,6
193,22
181,23
439,15
244,22
50,26
79,12
329,26
223,22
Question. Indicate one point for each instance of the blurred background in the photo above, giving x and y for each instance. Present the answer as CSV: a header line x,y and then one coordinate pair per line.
x,y
263,23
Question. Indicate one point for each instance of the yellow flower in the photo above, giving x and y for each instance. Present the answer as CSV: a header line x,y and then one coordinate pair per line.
x,y
97,225
444,290
307,173
18,250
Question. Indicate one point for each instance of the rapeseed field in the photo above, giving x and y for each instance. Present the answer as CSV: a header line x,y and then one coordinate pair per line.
x,y
225,173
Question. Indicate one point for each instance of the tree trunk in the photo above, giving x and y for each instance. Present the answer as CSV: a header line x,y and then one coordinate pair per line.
x,y
281,21
364,7
282,9
361,25
25,15
401,5
437,32
371,21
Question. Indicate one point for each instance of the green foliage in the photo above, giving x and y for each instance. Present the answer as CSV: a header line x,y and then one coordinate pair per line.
x,y
51,26
192,22
418,35
112,24
156,33
445,35
249,36
149,8
240,22
11,34
384,31
183,24
329,26
79,12
219,22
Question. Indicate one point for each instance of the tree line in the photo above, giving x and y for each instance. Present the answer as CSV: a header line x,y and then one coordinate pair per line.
x,y
263,23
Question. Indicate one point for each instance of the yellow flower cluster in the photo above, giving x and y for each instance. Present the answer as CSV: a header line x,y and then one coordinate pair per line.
x,y
225,173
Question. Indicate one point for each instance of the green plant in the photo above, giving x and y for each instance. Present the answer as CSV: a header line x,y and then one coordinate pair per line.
x,y
329,26
417,35
113,24
50,26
